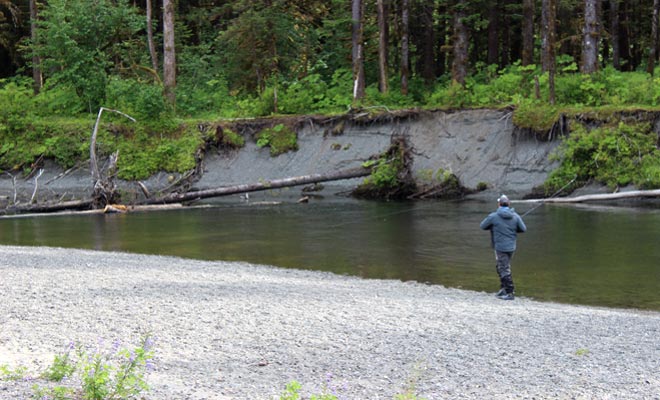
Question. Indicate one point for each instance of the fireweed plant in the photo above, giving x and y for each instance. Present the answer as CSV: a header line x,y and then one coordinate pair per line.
x,y
99,373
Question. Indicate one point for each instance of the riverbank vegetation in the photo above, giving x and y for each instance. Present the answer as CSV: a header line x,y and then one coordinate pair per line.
x,y
241,59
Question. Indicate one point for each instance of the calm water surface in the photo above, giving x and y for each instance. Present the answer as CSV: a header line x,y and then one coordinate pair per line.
x,y
607,256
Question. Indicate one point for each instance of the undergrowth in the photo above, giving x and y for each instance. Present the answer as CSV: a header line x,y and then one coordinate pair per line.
x,y
616,155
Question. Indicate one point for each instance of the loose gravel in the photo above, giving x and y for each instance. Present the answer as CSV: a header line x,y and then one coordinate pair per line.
x,y
227,330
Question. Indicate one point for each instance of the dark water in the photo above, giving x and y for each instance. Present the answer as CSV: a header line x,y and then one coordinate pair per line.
x,y
594,256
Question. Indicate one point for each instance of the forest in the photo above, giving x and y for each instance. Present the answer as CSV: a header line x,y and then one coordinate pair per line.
x,y
171,64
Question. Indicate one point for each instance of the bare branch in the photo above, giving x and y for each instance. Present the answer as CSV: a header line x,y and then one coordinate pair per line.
x,y
36,184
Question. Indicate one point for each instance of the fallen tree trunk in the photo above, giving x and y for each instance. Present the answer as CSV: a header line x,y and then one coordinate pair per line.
x,y
273,184
598,197
49,207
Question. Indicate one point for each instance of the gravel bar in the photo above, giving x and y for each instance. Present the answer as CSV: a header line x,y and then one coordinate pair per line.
x,y
228,330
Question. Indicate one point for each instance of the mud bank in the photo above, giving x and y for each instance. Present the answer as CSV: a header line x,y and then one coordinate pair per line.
x,y
478,146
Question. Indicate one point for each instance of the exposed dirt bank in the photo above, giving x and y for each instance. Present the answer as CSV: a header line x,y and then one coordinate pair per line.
x,y
478,146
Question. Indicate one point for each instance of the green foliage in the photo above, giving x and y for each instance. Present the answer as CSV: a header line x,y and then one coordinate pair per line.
x,y
292,392
63,367
142,101
384,172
503,87
60,100
80,42
536,115
65,141
267,42
55,393
202,88
340,91
259,106
613,155
301,96
279,138
582,352
15,374
393,98
407,396
232,139
453,96
145,154
104,374
15,106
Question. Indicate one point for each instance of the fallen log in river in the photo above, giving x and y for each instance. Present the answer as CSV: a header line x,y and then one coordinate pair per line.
x,y
632,194
254,187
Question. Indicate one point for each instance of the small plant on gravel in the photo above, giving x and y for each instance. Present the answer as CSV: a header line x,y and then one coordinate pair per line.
x,y
411,383
102,374
581,352
9,374
292,392
62,367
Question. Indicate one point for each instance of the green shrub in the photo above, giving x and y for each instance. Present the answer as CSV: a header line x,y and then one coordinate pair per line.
x,y
292,392
58,100
613,155
454,95
15,374
115,373
629,88
536,115
15,107
143,101
302,96
232,139
384,173
279,138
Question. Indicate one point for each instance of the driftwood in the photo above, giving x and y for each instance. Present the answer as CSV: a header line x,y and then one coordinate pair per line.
x,y
104,186
49,207
598,197
273,184
110,209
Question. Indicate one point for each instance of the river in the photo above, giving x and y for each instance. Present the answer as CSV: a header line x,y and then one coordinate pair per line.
x,y
602,256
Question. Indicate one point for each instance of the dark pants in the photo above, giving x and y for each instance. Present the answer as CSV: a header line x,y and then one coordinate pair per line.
x,y
503,259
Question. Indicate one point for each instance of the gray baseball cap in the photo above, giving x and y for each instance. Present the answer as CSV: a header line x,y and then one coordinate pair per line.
x,y
503,199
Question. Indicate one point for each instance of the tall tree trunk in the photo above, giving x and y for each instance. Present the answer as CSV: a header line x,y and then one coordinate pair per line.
x,y
590,33
653,50
459,64
441,54
428,47
493,34
37,76
614,34
150,38
548,29
383,34
528,32
625,54
405,46
507,44
358,50
169,53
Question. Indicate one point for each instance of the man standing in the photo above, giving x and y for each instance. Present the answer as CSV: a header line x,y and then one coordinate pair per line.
x,y
504,225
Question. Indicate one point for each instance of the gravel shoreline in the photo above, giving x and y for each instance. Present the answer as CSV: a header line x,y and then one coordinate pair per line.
x,y
227,330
